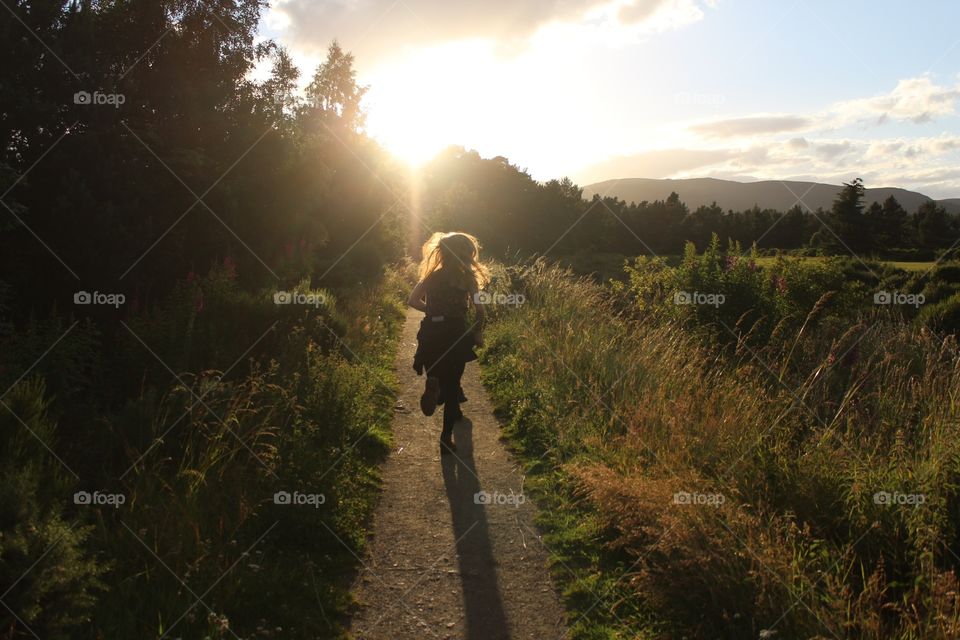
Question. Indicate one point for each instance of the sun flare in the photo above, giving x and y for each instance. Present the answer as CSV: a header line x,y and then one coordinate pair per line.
x,y
410,133
421,103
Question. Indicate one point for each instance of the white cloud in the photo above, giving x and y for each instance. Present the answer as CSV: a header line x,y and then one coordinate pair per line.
x,y
751,126
798,143
833,150
659,14
915,100
661,163
911,162
378,29
912,148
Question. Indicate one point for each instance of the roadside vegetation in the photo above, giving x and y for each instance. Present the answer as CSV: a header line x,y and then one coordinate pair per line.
x,y
187,488
781,464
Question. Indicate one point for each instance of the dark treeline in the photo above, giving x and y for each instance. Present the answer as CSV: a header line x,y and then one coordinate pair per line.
x,y
139,155
141,158
137,149
512,212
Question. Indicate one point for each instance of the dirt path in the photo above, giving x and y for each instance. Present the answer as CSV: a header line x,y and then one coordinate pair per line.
x,y
439,564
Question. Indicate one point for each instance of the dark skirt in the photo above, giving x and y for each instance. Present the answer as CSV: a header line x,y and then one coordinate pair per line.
x,y
442,344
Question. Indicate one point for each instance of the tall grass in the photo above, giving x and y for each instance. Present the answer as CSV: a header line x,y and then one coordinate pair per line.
x,y
219,400
699,491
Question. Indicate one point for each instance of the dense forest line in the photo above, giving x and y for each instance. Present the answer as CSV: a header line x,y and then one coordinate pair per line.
x,y
197,315
502,204
196,163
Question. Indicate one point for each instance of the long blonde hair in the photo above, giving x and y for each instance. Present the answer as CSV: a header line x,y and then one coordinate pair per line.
x,y
458,255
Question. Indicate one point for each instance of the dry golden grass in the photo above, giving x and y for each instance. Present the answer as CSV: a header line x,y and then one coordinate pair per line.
x,y
797,436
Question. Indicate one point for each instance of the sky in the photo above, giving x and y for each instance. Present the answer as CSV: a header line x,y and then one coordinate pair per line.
x,y
600,89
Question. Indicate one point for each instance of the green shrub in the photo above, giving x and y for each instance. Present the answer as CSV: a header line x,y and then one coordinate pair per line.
x,y
50,577
207,453
739,300
943,315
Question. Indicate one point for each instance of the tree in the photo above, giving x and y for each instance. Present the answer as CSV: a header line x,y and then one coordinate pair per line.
x,y
849,225
334,91
279,90
933,225
888,224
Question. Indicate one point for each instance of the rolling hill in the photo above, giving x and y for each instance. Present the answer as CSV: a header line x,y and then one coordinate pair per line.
x,y
767,194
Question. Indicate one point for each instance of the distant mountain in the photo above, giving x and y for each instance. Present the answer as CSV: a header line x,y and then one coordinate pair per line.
x,y
766,194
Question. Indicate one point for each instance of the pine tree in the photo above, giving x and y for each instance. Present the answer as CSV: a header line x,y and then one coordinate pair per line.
x,y
894,231
933,225
847,221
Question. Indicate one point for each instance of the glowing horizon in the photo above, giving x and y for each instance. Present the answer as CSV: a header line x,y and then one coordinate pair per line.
x,y
663,89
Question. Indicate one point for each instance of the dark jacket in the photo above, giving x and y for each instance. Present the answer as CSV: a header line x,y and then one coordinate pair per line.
x,y
445,338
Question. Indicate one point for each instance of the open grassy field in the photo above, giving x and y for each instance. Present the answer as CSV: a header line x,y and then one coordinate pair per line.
x,y
708,478
897,264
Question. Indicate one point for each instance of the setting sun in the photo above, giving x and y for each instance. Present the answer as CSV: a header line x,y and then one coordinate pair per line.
x,y
408,132
424,102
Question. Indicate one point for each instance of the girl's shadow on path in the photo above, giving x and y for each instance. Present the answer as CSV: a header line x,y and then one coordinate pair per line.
x,y
485,617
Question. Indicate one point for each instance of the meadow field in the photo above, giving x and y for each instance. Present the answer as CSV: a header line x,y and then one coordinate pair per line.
x,y
786,466
919,265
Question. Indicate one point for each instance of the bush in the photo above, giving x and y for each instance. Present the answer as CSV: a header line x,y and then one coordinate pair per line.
x,y
259,398
739,300
45,561
942,316
205,455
